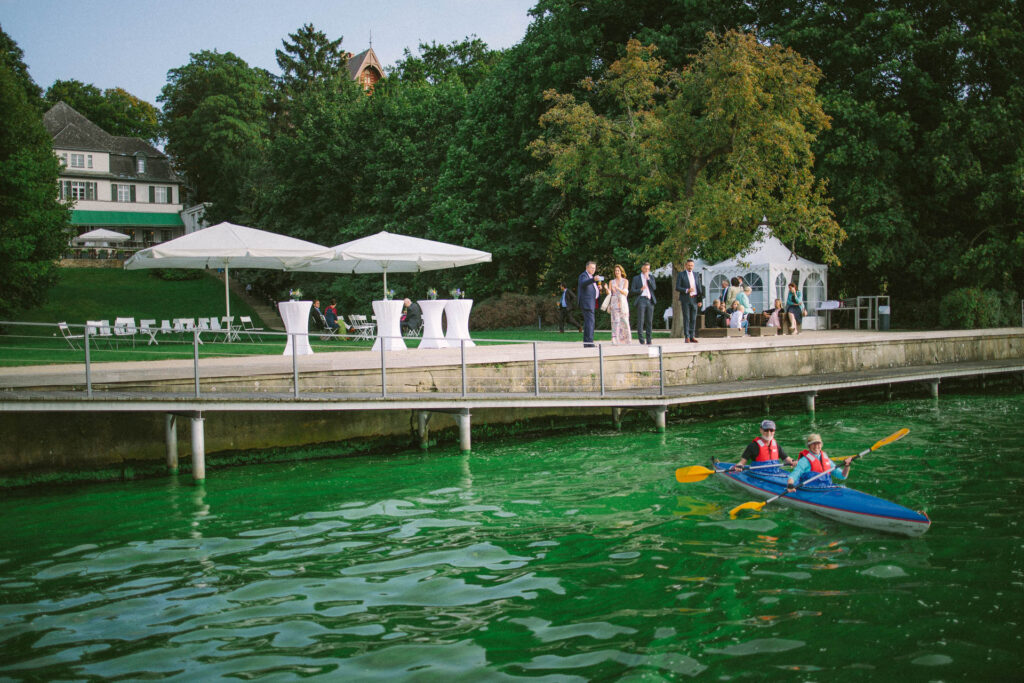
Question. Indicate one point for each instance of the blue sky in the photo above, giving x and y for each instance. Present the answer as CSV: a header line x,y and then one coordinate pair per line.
x,y
132,44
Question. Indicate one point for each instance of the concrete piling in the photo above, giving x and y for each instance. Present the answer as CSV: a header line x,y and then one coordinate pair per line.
x,y
465,443
198,449
617,418
809,399
658,415
423,418
934,386
171,441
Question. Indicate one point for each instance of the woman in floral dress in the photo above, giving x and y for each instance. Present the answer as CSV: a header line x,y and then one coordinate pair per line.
x,y
619,308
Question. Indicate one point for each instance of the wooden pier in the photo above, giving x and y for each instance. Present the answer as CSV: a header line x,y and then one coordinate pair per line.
x,y
509,377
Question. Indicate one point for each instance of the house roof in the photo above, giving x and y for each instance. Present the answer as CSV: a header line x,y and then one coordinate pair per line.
x,y
365,59
72,130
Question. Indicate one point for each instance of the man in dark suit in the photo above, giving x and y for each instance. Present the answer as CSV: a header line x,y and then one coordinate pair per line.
x,y
587,290
691,296
413,316
643,286
566,302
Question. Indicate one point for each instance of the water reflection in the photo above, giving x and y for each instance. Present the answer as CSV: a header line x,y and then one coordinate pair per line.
x,y
566,557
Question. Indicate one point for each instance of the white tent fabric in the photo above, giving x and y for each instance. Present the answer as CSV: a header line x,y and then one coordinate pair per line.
x,y
699,265
102,236
387,252
768,268
227,245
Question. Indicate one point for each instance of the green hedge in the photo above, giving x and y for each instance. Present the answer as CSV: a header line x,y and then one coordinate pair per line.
x,y
971,308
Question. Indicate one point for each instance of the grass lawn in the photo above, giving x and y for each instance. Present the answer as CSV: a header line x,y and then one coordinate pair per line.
x,y
107,293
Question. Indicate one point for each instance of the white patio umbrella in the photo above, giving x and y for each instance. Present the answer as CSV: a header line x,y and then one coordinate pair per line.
x,y
102,236
227,245
387,252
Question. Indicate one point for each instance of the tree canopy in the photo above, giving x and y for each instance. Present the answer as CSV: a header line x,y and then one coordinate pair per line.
x,y
115,110
34,226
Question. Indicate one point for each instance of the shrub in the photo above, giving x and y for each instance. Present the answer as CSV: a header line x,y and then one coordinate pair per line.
x,y
513,310
178,274
972,308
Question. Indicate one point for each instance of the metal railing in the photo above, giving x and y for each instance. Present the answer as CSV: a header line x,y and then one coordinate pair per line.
x,y
522,367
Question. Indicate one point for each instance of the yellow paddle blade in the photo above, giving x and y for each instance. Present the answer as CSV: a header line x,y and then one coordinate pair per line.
x,y
692,473
752,505
889,439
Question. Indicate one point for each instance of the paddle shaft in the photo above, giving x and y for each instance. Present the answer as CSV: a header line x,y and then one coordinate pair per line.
x,y
819,475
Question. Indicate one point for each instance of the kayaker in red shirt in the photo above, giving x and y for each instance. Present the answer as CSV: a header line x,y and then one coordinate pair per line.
x,y
764,450
812,462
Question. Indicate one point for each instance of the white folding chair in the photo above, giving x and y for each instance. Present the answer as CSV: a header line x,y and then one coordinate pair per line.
x,y
148,327
250,328
216,328
230,329
68,336
104,332
124,328
362,328
165,327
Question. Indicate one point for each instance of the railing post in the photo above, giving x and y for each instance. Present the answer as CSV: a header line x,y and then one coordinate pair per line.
x,y
295,366
536,372
88,365
661,370
462,350
600,364
195,356
383,369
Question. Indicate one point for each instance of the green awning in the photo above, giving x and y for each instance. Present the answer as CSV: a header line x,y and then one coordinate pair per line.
x,y
128,218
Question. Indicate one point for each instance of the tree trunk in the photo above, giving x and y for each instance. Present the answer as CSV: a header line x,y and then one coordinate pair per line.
x,y
677,309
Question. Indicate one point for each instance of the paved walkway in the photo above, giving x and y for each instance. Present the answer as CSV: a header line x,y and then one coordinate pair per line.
x,y
254,366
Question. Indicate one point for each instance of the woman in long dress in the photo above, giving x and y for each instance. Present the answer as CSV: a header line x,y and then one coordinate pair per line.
x,y
618,289
794,308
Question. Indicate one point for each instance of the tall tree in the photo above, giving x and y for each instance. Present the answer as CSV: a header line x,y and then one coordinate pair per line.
x,y
927,143
310,60
216,124
114,110
705,152
468,59
13,57
34,225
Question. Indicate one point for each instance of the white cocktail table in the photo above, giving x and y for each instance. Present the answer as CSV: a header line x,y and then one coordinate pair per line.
x,y
433,334
457,312
389,324
295,315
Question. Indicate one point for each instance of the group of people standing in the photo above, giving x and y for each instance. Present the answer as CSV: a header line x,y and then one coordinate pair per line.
x,y
617,291
733,310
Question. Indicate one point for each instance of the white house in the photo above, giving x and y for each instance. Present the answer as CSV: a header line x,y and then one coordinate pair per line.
x,y
118,183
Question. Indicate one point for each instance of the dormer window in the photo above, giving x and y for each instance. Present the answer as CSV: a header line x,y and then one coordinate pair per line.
x,y
140,164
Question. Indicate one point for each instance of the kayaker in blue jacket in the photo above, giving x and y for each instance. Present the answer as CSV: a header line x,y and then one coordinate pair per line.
x,y
764,450
814,461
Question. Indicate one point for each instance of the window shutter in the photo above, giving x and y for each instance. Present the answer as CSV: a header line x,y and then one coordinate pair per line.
x,y
113,192
152,194
170,194
132,190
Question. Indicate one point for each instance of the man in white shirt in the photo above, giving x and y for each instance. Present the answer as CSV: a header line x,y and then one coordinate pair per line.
x,y
691,295
643,287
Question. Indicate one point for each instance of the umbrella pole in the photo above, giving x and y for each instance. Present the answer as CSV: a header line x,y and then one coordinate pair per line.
x,y
385,283
227,302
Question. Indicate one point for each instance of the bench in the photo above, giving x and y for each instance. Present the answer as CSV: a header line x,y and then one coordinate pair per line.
x,y
758,331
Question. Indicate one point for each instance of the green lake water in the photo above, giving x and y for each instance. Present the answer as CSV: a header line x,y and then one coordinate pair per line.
x,y
572,557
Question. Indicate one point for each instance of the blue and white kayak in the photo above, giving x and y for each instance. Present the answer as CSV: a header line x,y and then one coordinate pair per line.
x,y
834,502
